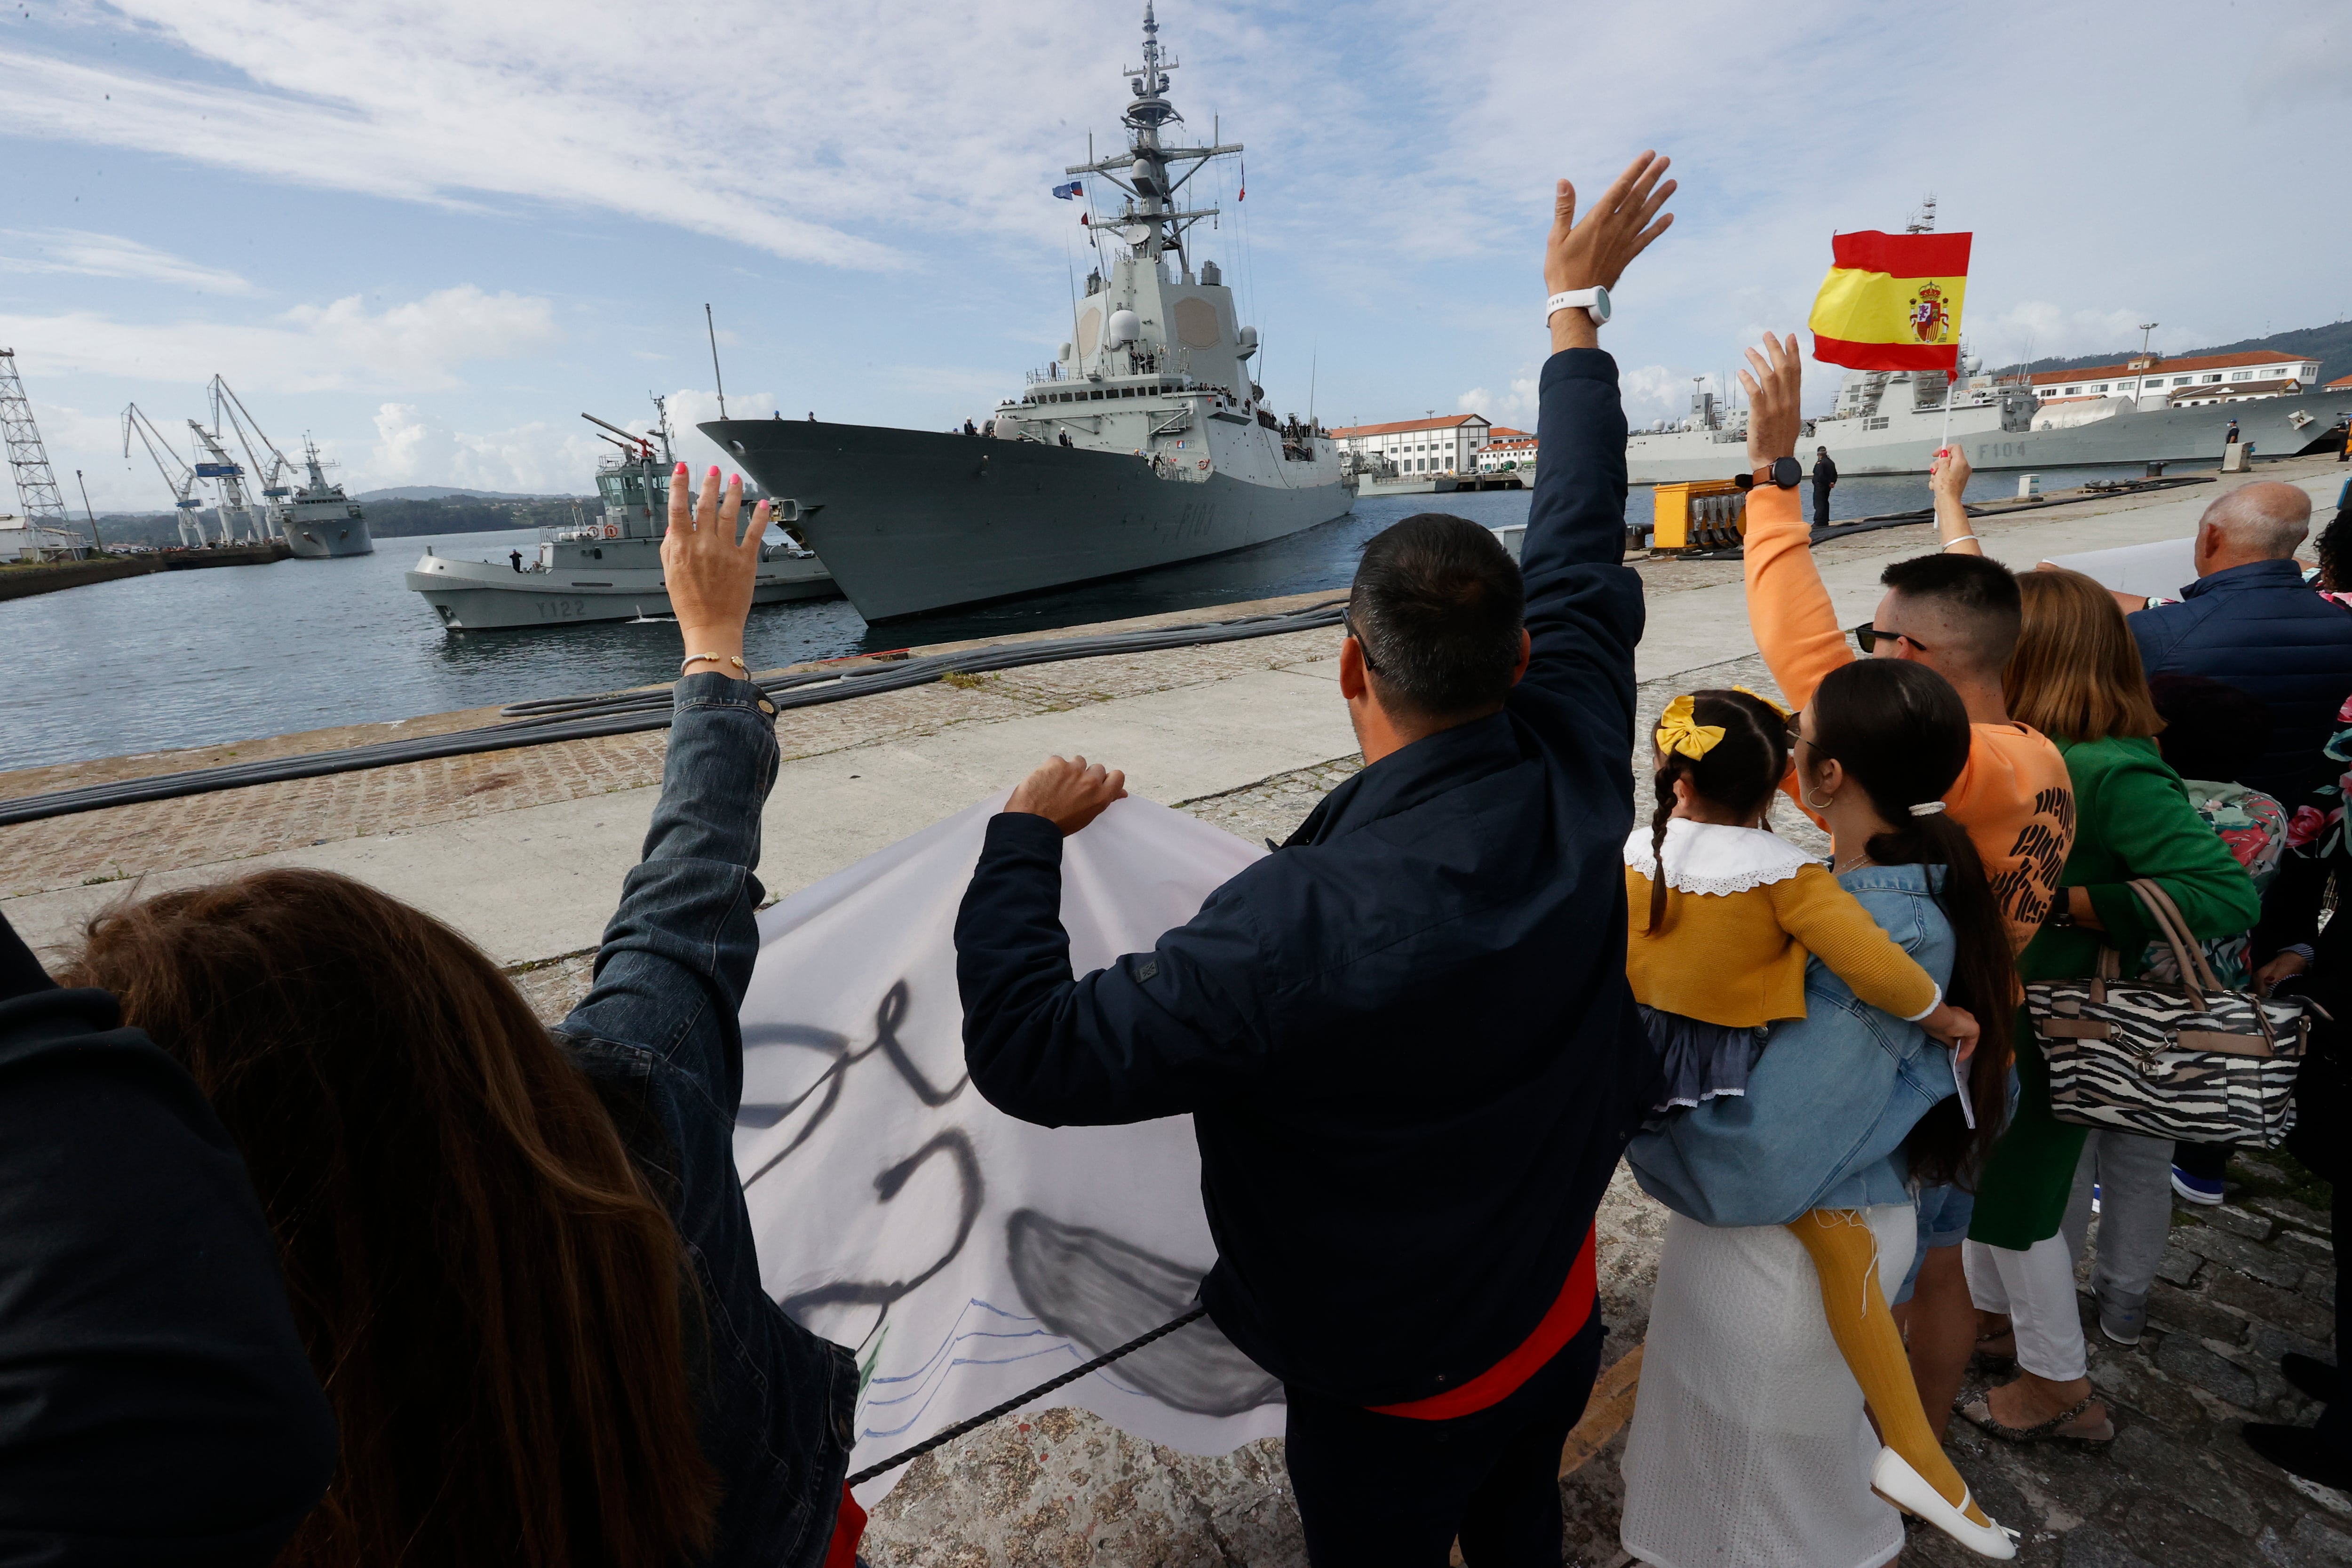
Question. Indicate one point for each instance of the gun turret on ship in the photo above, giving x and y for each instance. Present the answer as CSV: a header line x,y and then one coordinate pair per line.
x,y
1144,443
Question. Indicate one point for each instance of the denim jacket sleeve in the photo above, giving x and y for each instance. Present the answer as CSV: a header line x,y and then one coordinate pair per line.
x,y
1829,1103
659,1033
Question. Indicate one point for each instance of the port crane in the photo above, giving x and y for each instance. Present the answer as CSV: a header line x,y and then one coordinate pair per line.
x,y
214,463
177,474
227,405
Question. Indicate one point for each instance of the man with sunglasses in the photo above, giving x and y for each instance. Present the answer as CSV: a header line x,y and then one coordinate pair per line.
x,y
1958,613
1405,1038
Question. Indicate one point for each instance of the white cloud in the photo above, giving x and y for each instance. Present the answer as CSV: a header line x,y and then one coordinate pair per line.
x,y
311,348
82,253
414,447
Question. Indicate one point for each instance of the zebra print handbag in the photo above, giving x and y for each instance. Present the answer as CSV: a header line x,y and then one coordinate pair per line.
x,y
2191,1061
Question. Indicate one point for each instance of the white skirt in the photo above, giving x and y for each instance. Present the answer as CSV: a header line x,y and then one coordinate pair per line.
x,y
1749,1449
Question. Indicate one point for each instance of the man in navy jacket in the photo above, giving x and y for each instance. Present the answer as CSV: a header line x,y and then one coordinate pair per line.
x,y
1405,1038
2249,620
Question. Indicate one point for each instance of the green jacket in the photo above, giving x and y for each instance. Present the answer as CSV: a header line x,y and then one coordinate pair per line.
x,y
2133,819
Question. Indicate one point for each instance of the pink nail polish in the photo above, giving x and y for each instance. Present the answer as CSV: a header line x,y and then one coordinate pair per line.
x,y
735,481
714,470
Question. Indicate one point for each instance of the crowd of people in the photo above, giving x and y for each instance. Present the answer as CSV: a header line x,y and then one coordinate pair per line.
x,y
317,1247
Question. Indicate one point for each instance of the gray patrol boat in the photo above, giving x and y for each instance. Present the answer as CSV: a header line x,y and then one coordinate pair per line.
x,y
1145,443
606,570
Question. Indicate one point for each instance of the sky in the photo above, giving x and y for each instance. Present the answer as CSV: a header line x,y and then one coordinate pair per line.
x,y
431,234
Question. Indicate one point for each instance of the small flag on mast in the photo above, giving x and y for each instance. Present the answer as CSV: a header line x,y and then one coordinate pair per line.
x,y
1070,192
1892,302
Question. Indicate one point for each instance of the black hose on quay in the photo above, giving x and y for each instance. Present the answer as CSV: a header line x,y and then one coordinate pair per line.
x,y
544,722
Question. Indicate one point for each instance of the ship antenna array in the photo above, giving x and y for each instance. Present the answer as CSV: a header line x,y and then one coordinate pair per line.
x,y
717,380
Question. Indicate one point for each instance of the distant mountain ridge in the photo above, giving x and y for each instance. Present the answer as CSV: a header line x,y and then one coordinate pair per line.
x,y
2330,344
444,492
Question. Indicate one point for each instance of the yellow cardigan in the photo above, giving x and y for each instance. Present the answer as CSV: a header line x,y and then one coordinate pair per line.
x,y
1743,909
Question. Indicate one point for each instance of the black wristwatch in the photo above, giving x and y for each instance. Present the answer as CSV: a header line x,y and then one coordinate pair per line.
x,y
2061,914
1784,471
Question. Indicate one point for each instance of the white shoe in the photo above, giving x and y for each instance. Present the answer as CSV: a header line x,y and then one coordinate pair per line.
x,y
1892,1477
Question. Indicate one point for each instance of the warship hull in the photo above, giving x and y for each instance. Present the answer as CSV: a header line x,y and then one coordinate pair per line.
x,y
487,595
911,521
327,538
1909,440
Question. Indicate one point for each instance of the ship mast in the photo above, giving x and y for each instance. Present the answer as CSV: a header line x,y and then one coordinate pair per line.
x,y
1151,220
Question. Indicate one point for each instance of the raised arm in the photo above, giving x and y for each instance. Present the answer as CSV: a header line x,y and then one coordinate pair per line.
x,y
1789,608
1947,477
1584,605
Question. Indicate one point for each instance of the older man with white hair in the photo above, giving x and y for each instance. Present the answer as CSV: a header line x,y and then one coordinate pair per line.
x,y
2250,620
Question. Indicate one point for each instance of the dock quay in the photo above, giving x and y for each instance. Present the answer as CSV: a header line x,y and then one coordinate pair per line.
x,y
19,582
524,849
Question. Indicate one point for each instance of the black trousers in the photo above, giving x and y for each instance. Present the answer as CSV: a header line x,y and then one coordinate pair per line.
x,y
1387,1491
1822,503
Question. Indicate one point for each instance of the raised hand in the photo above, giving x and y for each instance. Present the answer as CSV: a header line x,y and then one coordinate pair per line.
x,y
708,572
1068,793
1620,227
1948,474
1776,394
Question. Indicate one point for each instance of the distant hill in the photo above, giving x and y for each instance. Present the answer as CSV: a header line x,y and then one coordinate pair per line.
x,y
454,512
2331,345
444,492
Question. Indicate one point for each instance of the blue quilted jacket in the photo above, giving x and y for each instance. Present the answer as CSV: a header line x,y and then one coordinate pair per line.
x,y
2258,628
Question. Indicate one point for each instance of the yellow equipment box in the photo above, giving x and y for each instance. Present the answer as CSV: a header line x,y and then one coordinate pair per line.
x,y
1704,514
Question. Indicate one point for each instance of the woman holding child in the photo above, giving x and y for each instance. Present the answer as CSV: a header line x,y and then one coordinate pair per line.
x,y
1749,1443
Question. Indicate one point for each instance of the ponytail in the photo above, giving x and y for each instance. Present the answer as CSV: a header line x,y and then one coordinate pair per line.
x,y
1901,733
1743,752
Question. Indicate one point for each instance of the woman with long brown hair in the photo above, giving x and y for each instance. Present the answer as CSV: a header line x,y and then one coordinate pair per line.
x,y
520,1260
2076,678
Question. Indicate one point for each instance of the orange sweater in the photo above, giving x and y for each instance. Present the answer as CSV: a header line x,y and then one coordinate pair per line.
x,y
1731,950
2014,796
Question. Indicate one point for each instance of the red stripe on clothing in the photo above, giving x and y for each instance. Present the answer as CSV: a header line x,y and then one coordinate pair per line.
x,y
848,1529
1569,1312
1902,254
1886,356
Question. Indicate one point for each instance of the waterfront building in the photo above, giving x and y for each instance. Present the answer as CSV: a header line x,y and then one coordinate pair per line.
x,y
1447,446
1506,448
2180,383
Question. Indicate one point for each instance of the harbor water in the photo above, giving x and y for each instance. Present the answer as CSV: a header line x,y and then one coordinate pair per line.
x,y
189,658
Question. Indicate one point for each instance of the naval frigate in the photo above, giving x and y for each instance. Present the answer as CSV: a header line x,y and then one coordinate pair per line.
x,y
1144,443
606,570
318,520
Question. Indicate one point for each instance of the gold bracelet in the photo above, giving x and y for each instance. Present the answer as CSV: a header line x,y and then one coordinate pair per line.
x,y
710,657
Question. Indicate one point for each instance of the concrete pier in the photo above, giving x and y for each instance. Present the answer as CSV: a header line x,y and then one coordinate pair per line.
x,y
525,851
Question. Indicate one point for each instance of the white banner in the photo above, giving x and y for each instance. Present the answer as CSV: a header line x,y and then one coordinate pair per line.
x,y
965,1256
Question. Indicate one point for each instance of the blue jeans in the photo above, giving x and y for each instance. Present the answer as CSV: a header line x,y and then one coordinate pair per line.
x,y
1943,1216
660,1037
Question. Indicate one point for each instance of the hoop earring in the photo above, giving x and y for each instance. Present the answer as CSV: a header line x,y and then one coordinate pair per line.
x,y
1810,804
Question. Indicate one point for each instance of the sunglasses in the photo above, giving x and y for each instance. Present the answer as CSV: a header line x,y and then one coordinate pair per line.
x,y
1867,636
1362,647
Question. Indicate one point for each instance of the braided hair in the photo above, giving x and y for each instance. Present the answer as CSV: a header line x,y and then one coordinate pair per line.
x,y
1739,772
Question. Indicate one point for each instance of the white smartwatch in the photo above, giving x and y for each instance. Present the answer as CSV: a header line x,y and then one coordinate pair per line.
x,y
1595,303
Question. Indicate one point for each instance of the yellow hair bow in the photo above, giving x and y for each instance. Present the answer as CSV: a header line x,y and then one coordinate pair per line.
x,y
1759,697
1677,732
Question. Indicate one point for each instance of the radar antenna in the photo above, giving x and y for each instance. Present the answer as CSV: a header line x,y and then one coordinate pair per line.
x,y
1151,221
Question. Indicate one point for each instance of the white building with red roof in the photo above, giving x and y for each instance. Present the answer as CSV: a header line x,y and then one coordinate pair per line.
x,y
2156,381
1447,446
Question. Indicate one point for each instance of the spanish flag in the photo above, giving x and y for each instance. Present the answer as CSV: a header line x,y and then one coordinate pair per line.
x,y
1892,302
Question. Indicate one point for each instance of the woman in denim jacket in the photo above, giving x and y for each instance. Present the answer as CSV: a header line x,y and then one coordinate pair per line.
x,y
1748,1444
519,1261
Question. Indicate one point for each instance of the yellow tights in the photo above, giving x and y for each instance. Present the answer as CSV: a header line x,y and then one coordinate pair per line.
x,y
1845,1256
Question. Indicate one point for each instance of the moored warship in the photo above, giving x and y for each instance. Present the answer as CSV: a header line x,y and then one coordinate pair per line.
x,y
606,570
1145,442
318,521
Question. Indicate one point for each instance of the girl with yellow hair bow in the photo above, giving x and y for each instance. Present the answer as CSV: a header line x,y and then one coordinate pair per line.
x,y
1723,914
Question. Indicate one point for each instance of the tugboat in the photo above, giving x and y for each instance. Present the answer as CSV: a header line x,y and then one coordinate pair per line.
x,y
608,570
1145,443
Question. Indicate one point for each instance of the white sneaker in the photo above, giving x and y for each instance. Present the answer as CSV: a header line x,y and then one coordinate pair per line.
x,y
1892,1477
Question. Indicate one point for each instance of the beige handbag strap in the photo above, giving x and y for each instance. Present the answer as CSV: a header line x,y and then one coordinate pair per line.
x,y
2195,972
